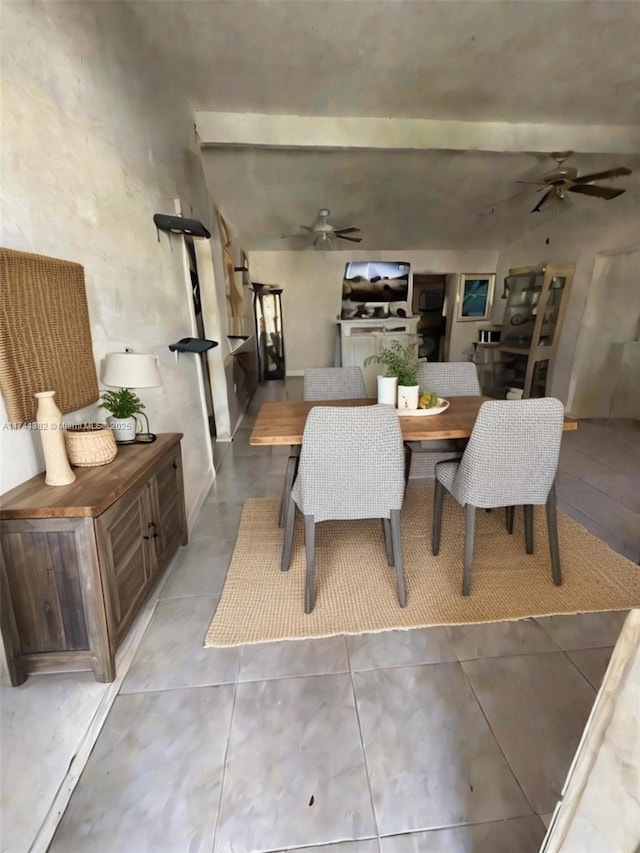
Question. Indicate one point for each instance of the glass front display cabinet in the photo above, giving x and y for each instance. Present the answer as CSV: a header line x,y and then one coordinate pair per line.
x,y
533,317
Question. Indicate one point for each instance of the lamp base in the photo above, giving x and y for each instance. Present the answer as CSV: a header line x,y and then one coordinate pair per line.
x,y
145,438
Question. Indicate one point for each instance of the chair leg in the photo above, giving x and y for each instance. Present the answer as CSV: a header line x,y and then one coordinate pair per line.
x,y
287,540
386,530
289,477
469,530
552,527
309,547
397,555
438,497
528,528
407,463
509,512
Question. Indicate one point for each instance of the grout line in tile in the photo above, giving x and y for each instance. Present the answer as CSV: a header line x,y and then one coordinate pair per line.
x,y
495,737
226,754
362,746
575,666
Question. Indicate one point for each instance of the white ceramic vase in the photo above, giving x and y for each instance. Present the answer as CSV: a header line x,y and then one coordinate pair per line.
x,y
388,390
124,429
408,396
49,421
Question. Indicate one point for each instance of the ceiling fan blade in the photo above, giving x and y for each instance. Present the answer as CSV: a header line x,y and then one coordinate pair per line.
x,y
536,209
288,236
599,192
350,239
600,176
307,228
532,183
348,230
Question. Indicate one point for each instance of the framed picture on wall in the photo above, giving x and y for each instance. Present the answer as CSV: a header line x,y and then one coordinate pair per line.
x,y
475,296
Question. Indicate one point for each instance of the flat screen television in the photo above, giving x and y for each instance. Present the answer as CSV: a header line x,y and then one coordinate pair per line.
x,y
376,289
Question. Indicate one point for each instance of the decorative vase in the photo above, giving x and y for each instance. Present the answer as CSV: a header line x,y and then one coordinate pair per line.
x,y
388,390
124,429
408,396
49,420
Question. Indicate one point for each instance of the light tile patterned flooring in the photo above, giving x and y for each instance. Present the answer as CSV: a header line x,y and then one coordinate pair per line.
x,y
442,739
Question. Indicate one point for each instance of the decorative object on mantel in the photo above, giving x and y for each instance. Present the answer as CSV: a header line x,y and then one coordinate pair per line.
x,y
128,370
90,445
49,420
46,336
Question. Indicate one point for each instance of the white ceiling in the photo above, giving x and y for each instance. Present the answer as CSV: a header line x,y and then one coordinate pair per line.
x,y
526,77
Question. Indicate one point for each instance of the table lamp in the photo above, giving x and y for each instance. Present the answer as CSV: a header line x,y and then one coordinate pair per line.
x,y
133,370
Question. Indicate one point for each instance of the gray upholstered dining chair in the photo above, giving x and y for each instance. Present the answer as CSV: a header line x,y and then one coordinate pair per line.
x,y
446,379
351,467
334,383
449,378
511,459
322,383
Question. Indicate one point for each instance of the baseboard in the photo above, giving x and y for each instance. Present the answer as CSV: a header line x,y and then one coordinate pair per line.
x,y
197,506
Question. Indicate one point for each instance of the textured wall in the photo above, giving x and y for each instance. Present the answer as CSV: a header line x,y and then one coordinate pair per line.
x,y
95,141
605,381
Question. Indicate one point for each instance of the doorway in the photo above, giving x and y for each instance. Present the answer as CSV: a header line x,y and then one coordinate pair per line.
x,y
428,304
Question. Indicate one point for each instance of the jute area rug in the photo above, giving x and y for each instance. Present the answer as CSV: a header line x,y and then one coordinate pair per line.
x,y
356,589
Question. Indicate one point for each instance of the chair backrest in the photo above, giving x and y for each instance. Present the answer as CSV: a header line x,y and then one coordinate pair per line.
x,y
449,378
334,383
512,454
351,463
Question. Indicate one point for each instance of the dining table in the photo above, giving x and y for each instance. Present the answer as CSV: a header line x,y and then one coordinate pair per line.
x,y
282,422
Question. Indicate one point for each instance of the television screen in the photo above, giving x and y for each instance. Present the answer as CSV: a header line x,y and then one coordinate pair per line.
x,y
376,289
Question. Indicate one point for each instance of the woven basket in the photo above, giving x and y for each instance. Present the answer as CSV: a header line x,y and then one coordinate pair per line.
x,y
90,445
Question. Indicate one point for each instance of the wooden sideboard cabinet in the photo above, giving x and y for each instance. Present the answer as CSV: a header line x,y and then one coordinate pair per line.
x,y
78,561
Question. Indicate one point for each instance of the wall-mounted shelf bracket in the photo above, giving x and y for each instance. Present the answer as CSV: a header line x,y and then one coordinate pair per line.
x,y
196,345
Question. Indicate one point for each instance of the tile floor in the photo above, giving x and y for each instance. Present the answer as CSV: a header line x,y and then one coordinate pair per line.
x,y
442,739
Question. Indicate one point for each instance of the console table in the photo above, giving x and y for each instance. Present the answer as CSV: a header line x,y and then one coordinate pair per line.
x,y
77,562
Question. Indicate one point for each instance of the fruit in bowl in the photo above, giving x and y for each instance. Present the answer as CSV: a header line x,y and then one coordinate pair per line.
x,y
428,400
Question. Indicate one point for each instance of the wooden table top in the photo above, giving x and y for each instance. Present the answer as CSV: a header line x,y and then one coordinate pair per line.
x,y
283,422
93,490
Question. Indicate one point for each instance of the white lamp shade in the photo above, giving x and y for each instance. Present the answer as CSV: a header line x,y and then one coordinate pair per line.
x,y
131,370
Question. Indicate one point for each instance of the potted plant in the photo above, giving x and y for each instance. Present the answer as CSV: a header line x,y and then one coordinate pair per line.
x,y
123,405
401,362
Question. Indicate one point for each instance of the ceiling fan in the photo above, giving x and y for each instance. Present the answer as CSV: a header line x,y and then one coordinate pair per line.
x,y
324,234
566,179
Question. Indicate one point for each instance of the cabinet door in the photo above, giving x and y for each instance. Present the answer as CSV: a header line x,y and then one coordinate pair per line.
x,y
127,554
523,294
555,303
168,518
356,348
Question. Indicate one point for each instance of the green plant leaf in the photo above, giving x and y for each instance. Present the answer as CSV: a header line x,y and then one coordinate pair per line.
x,y
400,360
122,403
